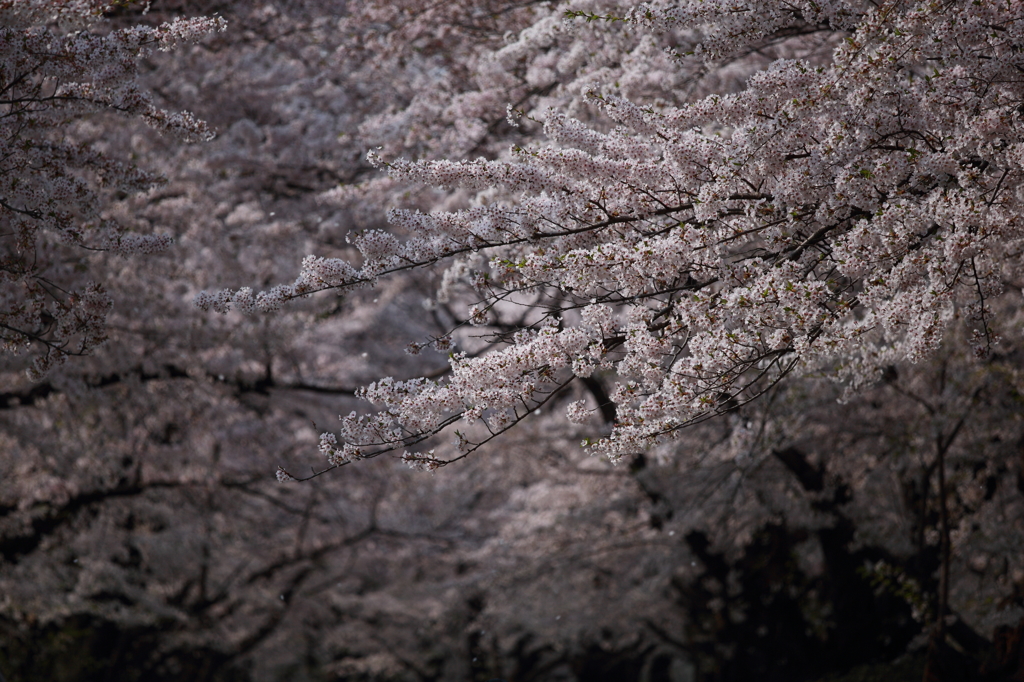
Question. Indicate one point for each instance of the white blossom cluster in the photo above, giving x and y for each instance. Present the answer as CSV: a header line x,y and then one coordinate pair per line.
x,y
833,214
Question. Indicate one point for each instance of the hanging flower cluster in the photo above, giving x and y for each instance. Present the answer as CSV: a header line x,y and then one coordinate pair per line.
x,y
833,214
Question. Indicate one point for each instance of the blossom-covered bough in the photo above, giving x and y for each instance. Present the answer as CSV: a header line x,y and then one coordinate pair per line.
x,y
831,216
53,189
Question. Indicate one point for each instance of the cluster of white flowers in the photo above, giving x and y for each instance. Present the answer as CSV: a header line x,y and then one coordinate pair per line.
x,y
577,412
422,461
832,213
170,35
284,477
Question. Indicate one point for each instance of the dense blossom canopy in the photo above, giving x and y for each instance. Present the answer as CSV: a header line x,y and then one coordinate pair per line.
x,y
619,220
831,214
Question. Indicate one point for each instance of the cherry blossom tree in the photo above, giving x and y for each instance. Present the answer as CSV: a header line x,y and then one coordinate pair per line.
x,y
647,238
832,216
831,213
